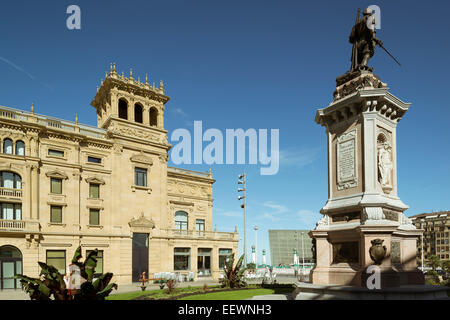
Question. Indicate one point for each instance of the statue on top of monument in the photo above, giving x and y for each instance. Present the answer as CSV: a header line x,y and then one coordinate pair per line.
x,y
364,40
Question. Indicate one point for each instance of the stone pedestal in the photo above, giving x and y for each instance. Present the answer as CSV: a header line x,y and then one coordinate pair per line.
x,y
363,204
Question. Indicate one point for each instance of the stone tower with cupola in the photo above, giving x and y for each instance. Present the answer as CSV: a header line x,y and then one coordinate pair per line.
x,y
131,107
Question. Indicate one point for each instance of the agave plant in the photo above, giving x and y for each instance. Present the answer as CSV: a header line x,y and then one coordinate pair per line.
x,y
233,274
51,284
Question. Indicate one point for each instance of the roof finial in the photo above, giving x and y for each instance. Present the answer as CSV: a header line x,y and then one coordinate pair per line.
x,y
76,118
110,69
131,73
153,84
32,107
123,75
114,67
161,86
146,79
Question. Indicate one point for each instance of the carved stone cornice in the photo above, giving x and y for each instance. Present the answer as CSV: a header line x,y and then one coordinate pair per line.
x,y
95,180
56,174
379,100
142,222
141,158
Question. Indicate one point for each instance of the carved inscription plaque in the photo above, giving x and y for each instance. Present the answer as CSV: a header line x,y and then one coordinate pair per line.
x,y
346,161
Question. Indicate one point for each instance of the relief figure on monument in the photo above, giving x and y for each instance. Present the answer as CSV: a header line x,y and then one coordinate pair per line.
x,y
385,164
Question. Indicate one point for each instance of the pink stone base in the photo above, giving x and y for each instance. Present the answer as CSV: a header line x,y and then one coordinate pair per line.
x,y
347,276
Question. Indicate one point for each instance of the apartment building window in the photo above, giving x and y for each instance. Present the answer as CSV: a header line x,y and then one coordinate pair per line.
x,y
99,268
8,146
94,190
181,220
94,159
56,153
200,226
56,214
223,256
20,148
57,259
56,185
10,211
182,259
94,217
140,177
10,180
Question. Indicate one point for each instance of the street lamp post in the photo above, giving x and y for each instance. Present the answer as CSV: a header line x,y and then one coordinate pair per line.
x,y
422,250
303,256
256,244
243,182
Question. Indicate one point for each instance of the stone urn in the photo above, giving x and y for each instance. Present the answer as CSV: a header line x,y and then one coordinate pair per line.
x,y
377,251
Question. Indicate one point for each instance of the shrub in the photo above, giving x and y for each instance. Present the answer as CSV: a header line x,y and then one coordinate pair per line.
x,y
51,283
171,284
233,275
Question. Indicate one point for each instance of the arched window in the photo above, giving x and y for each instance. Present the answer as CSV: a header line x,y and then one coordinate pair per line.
x,y
11,265
8,146
181,220
123,109
153,116
10,180
138,113
20,148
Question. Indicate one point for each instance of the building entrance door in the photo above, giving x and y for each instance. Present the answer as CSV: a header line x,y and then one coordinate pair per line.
x,y
10,265
204,262
139,255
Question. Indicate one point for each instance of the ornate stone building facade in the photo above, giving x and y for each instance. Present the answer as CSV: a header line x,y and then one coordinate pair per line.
x,y
64,184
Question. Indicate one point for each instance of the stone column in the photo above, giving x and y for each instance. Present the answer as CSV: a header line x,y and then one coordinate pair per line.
x,y
215,271
34,192
161,118
370,152
131,110
146,116
27,213
194,257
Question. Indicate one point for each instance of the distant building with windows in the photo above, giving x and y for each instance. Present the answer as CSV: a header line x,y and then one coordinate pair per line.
x,y
65,184
435,236
283,243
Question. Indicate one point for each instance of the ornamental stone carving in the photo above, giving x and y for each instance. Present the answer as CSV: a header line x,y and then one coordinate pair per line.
x,y
323,223
142,222
126,131
350,84
141,158
374,213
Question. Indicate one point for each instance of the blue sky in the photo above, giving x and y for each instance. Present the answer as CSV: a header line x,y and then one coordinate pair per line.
x,y
243,64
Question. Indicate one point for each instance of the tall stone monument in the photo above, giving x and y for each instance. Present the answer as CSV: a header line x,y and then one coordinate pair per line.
x,y
363,220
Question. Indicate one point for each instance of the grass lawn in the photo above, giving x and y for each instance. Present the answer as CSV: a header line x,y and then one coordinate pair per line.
x,y
226,295
156,294
230,295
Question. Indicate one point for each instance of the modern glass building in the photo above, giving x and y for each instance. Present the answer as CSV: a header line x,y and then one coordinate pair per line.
x,y
284,242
